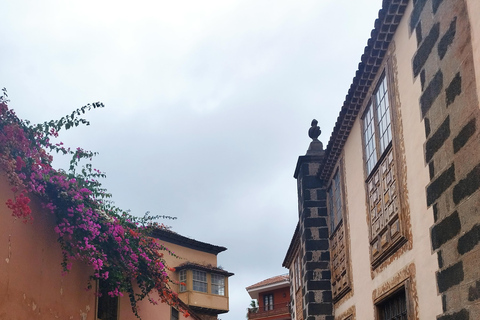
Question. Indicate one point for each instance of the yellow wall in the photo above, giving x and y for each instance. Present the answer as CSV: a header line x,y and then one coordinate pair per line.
x,y
149,311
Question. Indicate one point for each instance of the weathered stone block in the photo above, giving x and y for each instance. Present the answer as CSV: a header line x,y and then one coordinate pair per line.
x,y
431,169
311,182
440,259
469,240
447,39
422,79
454,89
326,274
425,48
320,308
467,186
460,315
445,230
474,291
439,185
327,296
431,93
449,277
315,222
321,194
319,285
435,5
467,131
438,139
316,245
317,265
323,233
417,11
311,204
418,33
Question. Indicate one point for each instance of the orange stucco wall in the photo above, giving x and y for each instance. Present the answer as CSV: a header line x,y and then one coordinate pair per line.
x,y
31,281
31,284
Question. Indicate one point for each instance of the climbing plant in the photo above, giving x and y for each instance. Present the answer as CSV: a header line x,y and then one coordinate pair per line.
x,y
115,243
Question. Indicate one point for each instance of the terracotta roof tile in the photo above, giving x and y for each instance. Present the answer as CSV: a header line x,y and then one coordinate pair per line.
x,y
272,280
385,26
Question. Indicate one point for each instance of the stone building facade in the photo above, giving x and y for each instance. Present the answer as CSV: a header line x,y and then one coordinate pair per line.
x,y
389,223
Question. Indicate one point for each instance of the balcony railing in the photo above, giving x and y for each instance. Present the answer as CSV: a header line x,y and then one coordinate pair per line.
x,y
260,312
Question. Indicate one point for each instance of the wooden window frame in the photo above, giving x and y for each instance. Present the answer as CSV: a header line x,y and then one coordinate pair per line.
x,y
404,286
339,245
385,219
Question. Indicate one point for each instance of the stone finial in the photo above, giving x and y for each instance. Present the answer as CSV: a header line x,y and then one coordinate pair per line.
x,y
314,131
316,147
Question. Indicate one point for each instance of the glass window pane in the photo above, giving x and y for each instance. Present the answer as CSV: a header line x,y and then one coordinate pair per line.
x,y
383,115
370,148
199,281
183,279
218,284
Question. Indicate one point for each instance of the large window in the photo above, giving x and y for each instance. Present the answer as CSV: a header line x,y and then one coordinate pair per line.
x,y
203,281
218,284
183,280
268,302
199,281
377,125
381,172
338,242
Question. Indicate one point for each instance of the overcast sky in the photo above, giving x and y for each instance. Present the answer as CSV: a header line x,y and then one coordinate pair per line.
x,y
208,105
